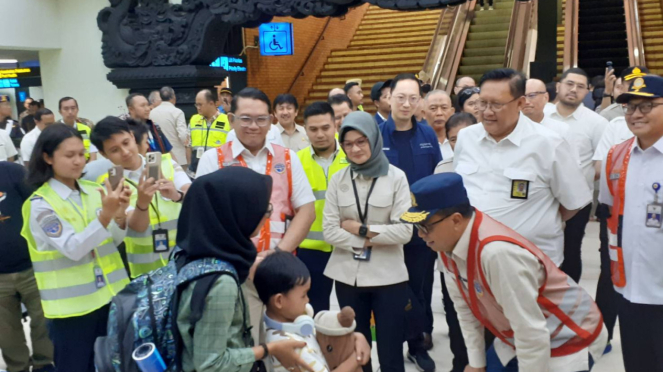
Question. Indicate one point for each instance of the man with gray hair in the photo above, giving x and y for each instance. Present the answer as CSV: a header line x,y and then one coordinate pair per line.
x,y
172,123
154,99
437,110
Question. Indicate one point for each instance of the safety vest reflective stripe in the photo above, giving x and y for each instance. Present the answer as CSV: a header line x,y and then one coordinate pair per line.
x,y
86,137
168,225
80,290
206,136
316,175
66,263
616,168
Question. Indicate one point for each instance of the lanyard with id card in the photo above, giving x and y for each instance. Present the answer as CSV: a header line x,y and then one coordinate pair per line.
x,y
365,254
159,236
99,279
655,210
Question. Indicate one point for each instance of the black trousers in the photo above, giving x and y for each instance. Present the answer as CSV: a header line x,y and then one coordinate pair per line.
x,y
490,2
607,299
418,259
388,305
429,280
641,331
321,286
573,235
456,340
73,339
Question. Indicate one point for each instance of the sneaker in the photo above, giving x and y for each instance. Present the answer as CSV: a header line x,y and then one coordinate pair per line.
x,y
608,348
422,361
491,8
481,9
428,341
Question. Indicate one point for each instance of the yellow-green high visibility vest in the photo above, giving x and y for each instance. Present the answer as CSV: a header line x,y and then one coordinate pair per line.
x,y
318,180
140,247
208,137
84,130
68,288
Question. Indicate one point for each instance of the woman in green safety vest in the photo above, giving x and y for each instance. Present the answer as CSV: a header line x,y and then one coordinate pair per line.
x,y
73,228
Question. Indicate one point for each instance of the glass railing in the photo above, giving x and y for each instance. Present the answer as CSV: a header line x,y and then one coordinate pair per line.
x,y
636,49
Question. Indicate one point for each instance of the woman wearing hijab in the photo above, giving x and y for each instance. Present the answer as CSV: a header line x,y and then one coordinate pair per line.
x,y
361,221
220,214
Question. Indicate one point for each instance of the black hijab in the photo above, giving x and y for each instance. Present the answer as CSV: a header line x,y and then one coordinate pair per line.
x,y
220,212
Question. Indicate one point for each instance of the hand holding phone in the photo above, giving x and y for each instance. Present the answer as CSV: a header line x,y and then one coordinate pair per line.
x,y
154,165
115,175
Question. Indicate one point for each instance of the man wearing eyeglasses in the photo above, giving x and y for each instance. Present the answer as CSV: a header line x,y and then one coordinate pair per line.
x,y
413,147
586,128
209,128
517,171
292,197
630,184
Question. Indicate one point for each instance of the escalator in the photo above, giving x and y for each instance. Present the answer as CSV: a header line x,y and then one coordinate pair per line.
x,y
602,36
651,24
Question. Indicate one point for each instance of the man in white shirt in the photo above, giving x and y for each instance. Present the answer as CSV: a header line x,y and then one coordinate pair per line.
x,y
293,135
342,106
173,124
251,119
536,98
7,150
631,180
586,128
517,172
43,118
438,109
497,279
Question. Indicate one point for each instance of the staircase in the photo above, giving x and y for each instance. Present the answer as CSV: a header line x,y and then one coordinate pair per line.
x,y
387,42
486,40
651,25
602,36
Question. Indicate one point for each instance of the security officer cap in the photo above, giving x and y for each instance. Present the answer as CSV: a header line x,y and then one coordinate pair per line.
x,y
4,98
376,91
648,86
226,90
433,193
634,72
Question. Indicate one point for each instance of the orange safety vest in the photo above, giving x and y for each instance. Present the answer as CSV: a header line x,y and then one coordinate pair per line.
x,y
279,167
615,169
572,317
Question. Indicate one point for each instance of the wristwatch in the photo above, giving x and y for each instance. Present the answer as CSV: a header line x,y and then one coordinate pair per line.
x,y
363,231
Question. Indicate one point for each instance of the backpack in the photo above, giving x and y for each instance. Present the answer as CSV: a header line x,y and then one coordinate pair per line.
x,y
146,311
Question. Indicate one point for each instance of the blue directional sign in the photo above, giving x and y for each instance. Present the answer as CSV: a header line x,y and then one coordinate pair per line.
x,y
276,39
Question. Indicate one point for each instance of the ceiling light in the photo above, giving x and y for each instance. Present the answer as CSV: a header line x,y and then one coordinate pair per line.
x,y
8,60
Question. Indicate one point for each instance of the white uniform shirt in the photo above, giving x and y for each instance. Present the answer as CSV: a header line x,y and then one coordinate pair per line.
x,y
297,140
586,128
642,245
446,150
615,133
531,153
273,136
302,193
562,129
28,143
7,149
173,125
499,262
66,240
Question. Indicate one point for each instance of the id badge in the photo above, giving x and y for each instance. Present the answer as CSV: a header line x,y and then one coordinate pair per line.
x,y
99,277
199,152
365,254
160,240
654,212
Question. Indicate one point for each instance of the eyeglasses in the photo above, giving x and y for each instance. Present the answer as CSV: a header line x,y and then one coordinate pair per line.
x,y
425,229
569,84
361,143
531,96
494,106
645,107
270,209
246,121
414,100
470,91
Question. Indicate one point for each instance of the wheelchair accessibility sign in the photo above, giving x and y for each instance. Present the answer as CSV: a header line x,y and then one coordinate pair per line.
x,y
276,39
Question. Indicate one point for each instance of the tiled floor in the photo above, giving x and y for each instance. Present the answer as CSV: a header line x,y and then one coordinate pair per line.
x,y
612,362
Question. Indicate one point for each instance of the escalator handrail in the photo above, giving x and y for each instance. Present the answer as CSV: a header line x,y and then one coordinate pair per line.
x,y
571,34
636,49
457,38
519,42
433,57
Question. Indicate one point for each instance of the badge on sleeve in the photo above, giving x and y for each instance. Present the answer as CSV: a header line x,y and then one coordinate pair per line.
x,y
160,240
519,189
50,224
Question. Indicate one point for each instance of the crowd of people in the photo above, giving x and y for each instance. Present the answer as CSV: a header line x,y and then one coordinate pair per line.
x,y
492,185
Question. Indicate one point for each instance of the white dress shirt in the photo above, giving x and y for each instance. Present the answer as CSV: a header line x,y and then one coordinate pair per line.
x,y
446,150
7,149
642,246
531,153
295,141
28,143
513,273
273,136
71,244
586,128
615,133
302,193
563,130
173,125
